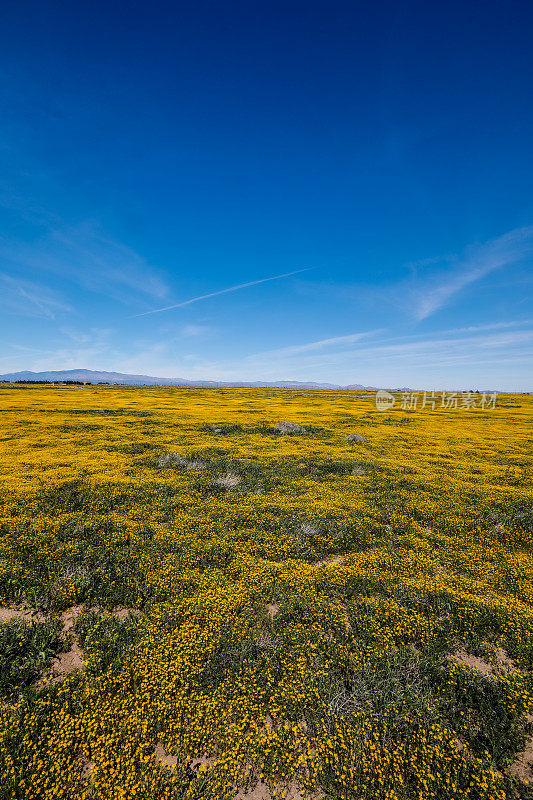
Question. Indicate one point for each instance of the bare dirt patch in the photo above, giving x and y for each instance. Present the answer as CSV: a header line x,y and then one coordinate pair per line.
x,y
522,768
289,792
500,661
272,609
161,755
328,561
65,663
87,770
68,619
9,613
123,613
259,792
503,659
465,659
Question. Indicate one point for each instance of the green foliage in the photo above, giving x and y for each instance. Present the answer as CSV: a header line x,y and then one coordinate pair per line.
x,y
26,651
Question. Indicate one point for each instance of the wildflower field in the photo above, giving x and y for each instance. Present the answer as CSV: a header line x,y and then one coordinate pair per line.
x,y
197,605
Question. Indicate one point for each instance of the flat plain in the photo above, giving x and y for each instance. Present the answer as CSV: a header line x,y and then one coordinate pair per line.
x,y
197,605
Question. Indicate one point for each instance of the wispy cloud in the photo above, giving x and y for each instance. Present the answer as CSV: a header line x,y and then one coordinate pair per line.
x,y
92,335
467,346
195,330
223,291
99,260
479,262
30,299
517,323
85,255
72,349
402,361
310,347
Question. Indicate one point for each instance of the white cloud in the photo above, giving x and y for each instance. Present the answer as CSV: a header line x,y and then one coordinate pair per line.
x,y
30,299
490,326
85,255
313,346
94,335
195,330
479,262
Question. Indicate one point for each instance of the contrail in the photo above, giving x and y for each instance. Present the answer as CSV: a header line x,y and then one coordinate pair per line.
x,y
223,291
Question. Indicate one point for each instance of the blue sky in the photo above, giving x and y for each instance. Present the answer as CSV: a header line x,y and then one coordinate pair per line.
x,y
377,155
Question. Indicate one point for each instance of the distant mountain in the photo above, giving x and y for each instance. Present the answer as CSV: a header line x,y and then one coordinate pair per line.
x,y
95,376
90,375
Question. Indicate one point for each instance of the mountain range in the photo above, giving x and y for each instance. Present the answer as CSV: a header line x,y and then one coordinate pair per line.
x,y
95,376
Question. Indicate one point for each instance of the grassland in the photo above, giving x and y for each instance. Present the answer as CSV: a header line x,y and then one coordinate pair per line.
x,y
195,606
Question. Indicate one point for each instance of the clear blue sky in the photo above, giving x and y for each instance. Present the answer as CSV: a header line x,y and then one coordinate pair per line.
x,y
153,153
